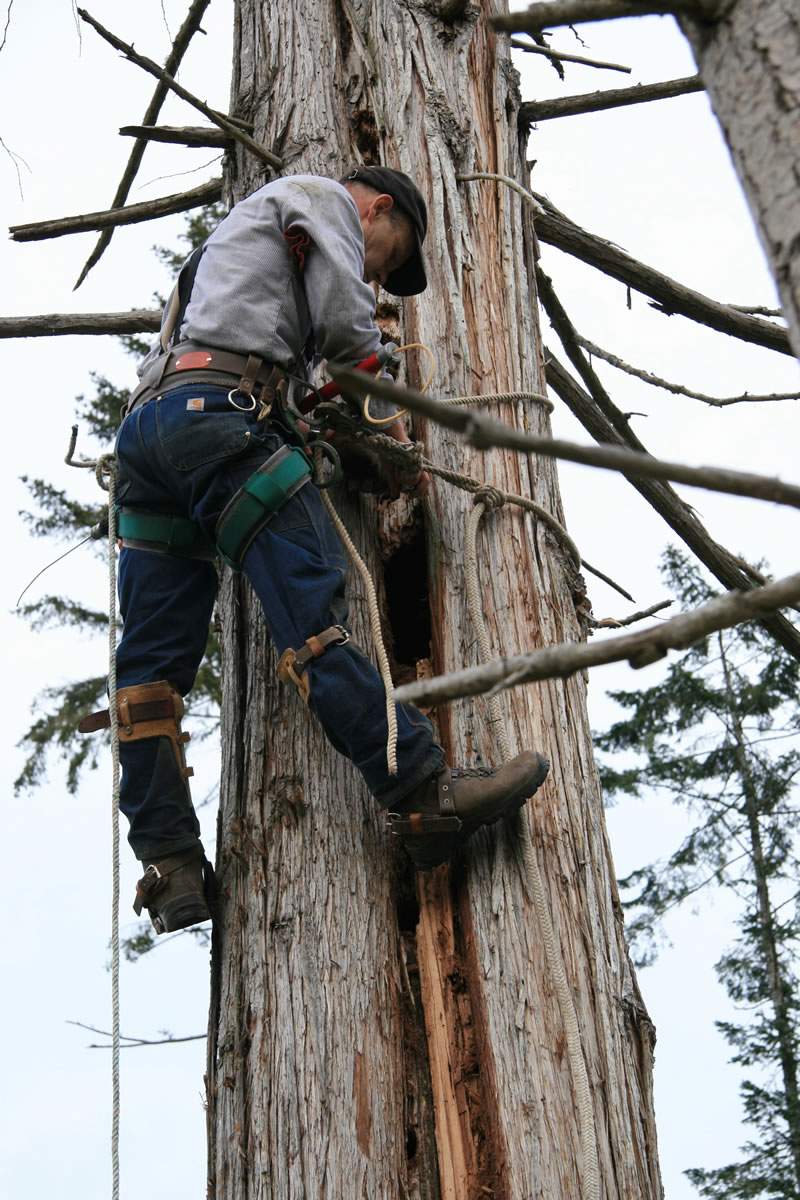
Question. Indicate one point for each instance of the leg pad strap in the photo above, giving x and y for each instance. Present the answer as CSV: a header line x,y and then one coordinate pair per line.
x,y
292,663
146,710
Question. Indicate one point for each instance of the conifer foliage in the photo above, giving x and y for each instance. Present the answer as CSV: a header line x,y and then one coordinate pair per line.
x,y
720,736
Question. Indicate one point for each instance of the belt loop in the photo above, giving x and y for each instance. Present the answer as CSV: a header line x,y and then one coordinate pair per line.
x,y
248,379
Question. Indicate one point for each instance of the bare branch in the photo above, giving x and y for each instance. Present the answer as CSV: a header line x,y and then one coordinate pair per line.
x,y
562,56
677,388
197,135
604,421
758,310
614,623
133,1042
571,12
558,230
147,64
149,210
483,433
142,320
185,34
639,649
568,106
8,22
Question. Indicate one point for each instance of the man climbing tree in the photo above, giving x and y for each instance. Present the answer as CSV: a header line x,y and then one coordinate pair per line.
x,y
210,457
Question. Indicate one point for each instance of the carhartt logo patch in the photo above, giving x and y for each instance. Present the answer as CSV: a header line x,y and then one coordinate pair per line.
x,y
196,404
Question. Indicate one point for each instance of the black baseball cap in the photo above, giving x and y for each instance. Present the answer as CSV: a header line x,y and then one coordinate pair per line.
x,y
410,279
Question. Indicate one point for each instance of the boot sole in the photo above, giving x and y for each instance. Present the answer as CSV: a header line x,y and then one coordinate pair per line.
x,y
184,911
435,848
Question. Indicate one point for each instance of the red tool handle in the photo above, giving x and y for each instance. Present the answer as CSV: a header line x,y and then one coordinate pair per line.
x,y
371,365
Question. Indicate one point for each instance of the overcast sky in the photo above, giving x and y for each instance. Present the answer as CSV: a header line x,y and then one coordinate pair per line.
x,y
657,180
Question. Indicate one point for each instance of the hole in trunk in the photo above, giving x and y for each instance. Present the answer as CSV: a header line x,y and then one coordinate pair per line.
x,y
405,576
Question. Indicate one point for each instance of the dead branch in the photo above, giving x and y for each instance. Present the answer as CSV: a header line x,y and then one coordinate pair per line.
x,y
614,623
189,135
677,388
149,210
639,649
143,320
179,47
562,56
130,1043
484,433
604,421
585,566
216,118
572,12
568,106
558,230
758,310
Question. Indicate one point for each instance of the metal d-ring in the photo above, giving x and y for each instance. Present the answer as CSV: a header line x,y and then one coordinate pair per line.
x,y
327,448
240,407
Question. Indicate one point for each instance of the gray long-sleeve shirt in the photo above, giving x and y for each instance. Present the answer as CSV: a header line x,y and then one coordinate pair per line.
x,y
247,297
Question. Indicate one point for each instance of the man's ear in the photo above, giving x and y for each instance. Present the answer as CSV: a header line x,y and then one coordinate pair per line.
x,y
380,205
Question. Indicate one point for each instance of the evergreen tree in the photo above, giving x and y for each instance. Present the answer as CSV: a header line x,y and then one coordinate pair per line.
x,y
719,735
57,516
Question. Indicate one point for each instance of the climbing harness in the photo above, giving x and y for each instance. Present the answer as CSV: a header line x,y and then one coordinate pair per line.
x,y
257,501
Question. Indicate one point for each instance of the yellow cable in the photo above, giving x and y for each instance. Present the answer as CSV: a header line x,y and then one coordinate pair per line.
x,y
379,421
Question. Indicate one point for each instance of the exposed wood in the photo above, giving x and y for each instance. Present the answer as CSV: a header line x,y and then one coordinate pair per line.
x,y
748,62
562,56
190,26
640,649
147,64
557,230
187,135
314,1063
148,210
141,320
642,93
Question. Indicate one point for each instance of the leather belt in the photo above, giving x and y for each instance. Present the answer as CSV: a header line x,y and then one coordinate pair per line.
x,y
192,364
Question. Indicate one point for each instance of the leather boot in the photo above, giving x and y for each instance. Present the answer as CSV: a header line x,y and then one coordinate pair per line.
x,y
438,816
176,890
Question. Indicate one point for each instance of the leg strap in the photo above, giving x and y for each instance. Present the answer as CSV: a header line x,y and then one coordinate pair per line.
x,y
146,710
292,663
156,876
257,501
445,821
166,533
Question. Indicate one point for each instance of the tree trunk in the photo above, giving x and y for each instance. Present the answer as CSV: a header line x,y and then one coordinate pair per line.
x,y
748,62
374,1033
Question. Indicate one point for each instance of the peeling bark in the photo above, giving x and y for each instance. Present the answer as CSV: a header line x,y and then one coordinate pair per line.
x,y
376,1034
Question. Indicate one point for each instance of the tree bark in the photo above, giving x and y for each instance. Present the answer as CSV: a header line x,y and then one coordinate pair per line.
x,y
374,1033
748,61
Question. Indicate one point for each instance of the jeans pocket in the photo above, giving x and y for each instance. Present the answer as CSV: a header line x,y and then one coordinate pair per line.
x,y
189,439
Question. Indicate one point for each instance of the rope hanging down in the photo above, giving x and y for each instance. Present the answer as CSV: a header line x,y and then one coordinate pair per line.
x,y
105,468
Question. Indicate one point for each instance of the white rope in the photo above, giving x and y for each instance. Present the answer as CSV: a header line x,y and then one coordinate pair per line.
x,y
580,1077
375,625
106,467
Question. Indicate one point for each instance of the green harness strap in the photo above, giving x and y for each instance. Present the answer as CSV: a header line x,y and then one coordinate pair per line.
x,y
168,533
247,512
257,501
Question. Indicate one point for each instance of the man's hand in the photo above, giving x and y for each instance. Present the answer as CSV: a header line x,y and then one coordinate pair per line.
x,y
416,487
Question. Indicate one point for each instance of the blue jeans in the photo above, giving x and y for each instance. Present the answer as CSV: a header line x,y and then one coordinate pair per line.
x,y
174,459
